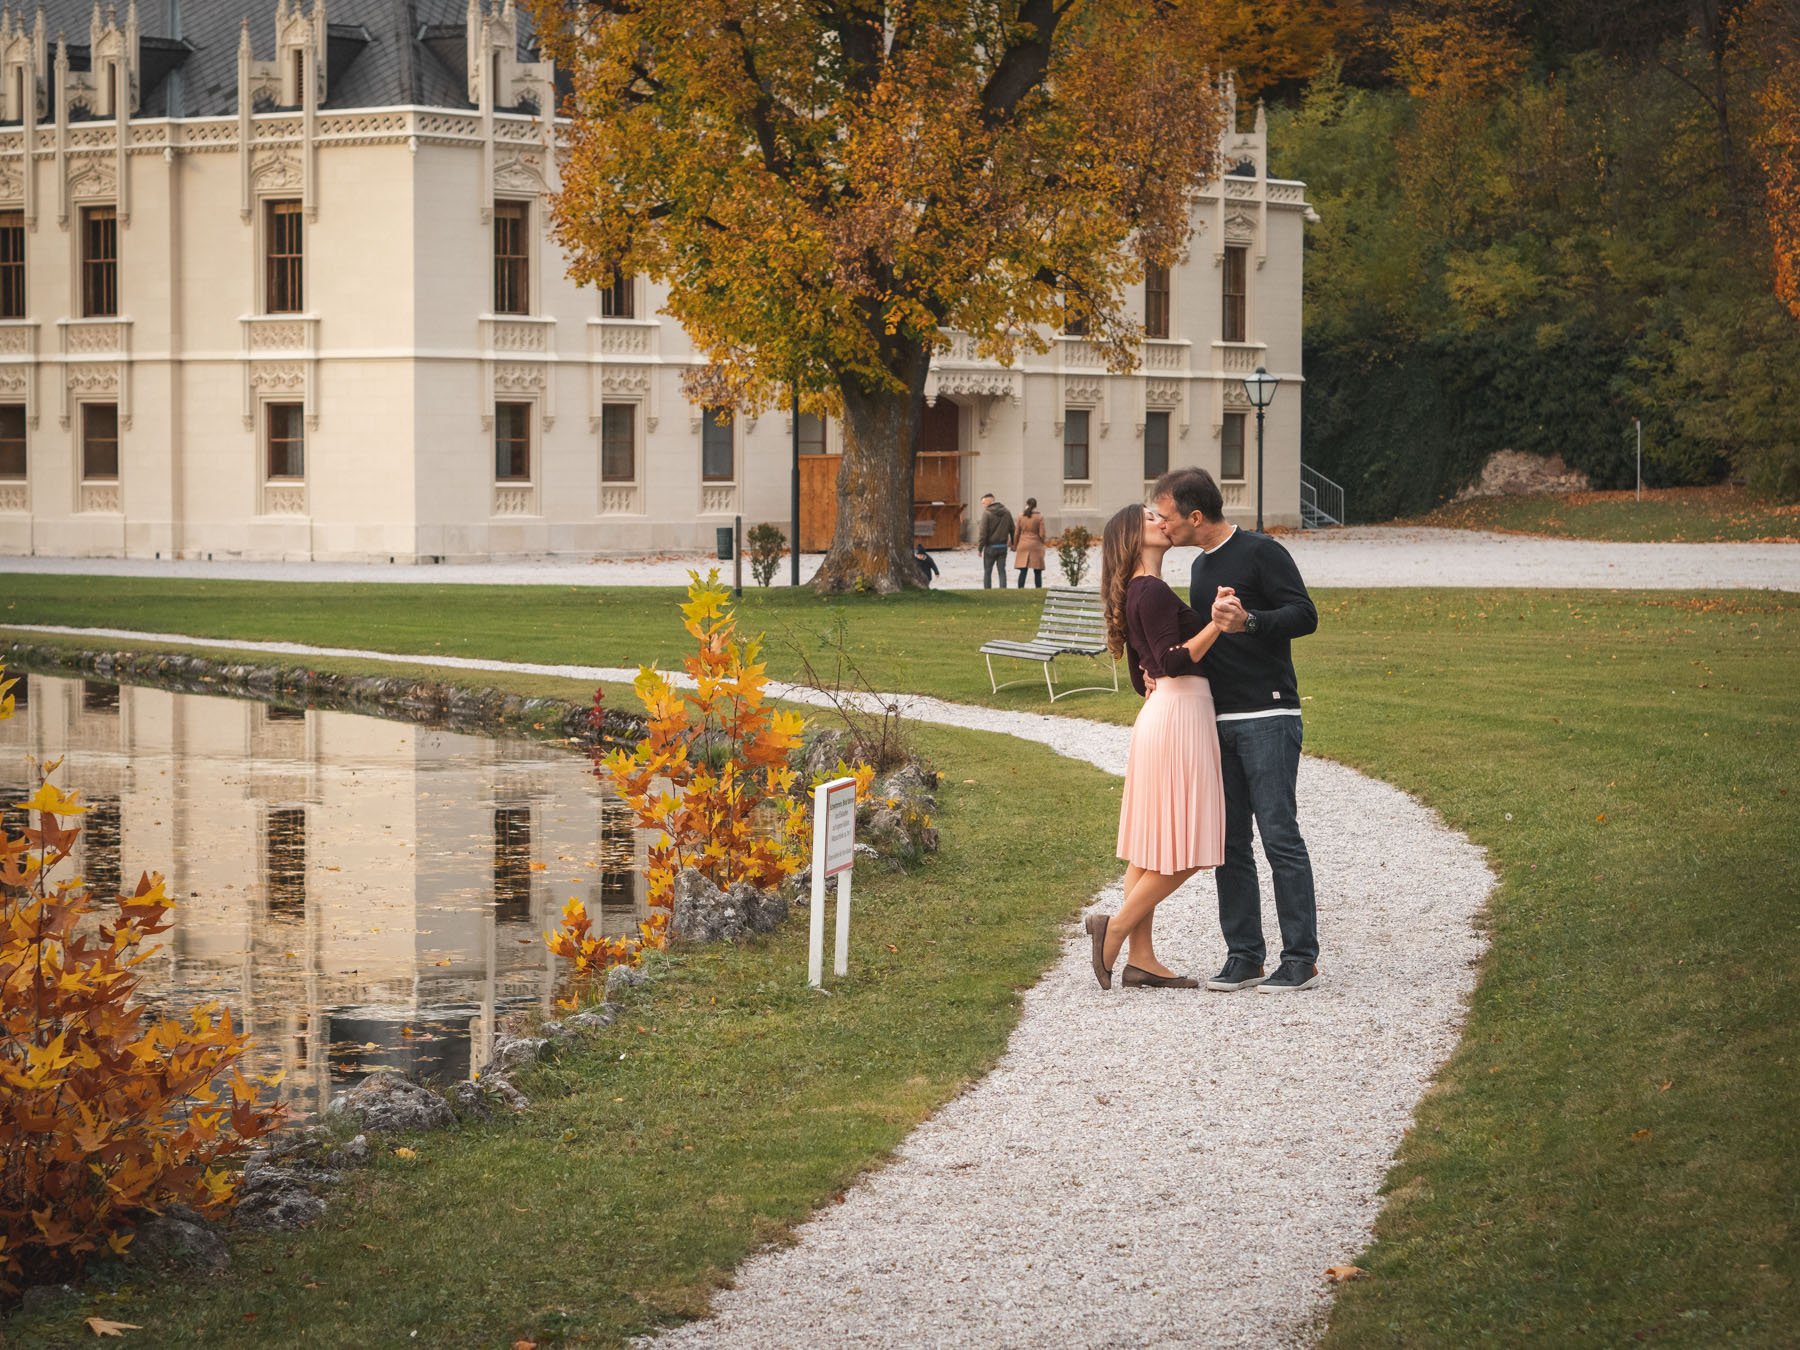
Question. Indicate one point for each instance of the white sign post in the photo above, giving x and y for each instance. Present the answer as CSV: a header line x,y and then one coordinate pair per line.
x,y
834,851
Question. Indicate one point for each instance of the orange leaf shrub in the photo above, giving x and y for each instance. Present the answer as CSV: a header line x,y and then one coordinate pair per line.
x,y
710,775
106,1112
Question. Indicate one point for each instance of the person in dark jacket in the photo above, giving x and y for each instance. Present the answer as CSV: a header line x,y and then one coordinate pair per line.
x,y
928,567
994,536
1249,585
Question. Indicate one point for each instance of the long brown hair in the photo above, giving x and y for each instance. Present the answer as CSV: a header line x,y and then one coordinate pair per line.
x,y
1121,548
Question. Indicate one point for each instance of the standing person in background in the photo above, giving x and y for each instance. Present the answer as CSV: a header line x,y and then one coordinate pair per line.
x,y
1028,543
1249,585
993,536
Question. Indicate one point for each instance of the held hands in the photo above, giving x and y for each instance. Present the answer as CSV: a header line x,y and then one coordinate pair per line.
x,y
1228,611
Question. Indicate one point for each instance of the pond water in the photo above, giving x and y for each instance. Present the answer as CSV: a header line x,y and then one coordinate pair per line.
x,y
361,894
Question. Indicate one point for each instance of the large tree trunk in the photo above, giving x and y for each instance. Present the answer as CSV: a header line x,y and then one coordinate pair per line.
x,y
872,549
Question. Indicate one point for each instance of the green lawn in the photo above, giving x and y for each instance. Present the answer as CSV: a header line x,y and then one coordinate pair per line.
x,y
1609,1153
1665,515
721,1110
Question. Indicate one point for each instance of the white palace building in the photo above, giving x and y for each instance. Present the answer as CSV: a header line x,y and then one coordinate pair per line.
x,y
278,284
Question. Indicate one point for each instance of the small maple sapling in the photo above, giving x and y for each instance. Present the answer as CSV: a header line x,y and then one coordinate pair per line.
x,y
710,776
108,1113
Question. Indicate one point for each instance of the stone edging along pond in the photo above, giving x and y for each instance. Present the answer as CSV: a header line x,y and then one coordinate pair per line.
x,y
398,697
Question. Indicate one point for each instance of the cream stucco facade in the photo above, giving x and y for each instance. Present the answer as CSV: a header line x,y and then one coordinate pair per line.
x,y
352,407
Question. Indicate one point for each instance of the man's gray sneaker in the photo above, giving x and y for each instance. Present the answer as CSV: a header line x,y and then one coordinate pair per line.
x,y
1289,978
1238,972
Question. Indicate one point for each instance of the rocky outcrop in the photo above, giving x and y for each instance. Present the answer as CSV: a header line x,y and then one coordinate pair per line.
x,y
280,1196
179,1239
704,913
1514,473
390,1104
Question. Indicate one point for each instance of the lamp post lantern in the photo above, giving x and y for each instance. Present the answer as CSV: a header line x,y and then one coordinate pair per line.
x,y
1260,388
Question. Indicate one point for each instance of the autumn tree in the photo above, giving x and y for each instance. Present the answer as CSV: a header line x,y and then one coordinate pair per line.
x,y
826,188
1771,29
1278,45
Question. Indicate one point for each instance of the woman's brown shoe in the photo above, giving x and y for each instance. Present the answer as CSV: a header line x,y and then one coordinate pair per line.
x,y
1143,979
1096,927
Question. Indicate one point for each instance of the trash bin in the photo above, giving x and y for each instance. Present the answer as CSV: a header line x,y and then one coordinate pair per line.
x,y
723,535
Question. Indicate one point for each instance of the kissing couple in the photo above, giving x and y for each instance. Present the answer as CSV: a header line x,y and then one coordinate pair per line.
x,y
1216,745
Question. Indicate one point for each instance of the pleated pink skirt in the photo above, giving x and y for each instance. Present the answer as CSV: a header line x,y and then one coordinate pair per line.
x,y
1173,813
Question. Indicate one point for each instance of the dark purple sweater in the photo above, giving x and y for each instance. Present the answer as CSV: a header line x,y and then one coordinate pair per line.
x,y
1156,624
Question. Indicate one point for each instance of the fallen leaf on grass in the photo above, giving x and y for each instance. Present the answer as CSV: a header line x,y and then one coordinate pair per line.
x,y
101,1327
1339,1274
406,1153
892,948
1640,1134
312,1284
524,1345
1667,1084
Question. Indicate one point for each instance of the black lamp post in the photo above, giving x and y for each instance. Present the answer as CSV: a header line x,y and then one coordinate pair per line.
x,y
794,538
1260,390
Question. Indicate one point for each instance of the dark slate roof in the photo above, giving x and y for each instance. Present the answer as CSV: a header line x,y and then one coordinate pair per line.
x,y
379,53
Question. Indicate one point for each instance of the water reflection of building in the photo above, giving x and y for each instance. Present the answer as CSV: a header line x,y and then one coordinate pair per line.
x,y
361,893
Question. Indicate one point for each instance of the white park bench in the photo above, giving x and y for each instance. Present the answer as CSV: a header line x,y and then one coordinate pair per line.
x,y
1072,624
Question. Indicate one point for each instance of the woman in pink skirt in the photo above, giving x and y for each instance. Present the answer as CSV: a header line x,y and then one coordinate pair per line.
x,y
1172,818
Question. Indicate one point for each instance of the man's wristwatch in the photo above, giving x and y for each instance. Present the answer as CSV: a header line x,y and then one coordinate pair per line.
x,y
1250,624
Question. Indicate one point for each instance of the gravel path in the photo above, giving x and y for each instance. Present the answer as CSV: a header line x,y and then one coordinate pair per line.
x,y
1142,1165
1362,556
1157,1166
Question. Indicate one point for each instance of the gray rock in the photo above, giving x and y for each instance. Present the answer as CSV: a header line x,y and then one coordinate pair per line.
x,y
388,1103
469,1102
350,1153
598,1020
302,1140
277,1196
621,978
44,1297
478,1099
886,832
512,1053
179,1241
704,913
824,751
556,1031
500,1086
276,1210
912,780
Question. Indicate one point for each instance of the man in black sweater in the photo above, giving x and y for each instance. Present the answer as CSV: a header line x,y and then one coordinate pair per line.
x,y
1254,592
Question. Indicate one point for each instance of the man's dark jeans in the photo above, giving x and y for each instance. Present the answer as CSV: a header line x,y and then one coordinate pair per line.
x,y
1260,757
993,559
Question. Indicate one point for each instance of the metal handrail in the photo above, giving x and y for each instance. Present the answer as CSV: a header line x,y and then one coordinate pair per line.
x,y
1321,499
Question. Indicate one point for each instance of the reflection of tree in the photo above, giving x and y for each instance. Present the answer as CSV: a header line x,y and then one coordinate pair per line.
x,y
512,863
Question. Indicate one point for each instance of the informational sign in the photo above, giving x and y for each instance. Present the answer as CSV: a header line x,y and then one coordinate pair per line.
x,y
840,825
834,854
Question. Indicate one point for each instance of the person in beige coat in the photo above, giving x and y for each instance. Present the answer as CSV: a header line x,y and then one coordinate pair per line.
x,y
1028,543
